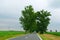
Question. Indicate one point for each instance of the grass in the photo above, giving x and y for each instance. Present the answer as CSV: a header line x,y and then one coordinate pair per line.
x,y
54,33
50,36
9,34
47,36
43,37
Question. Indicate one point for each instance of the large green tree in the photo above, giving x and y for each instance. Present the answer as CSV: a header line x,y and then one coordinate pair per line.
x,y
34,21
28,19
43,20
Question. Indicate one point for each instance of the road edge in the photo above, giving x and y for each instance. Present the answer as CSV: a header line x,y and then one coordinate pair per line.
x,y
15,37
39,36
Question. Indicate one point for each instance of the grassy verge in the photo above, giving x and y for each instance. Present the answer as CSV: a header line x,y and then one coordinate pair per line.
x,y
9,34
43,37
50,36
54,33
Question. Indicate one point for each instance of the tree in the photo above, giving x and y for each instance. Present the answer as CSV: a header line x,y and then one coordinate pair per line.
x,y
28,20
55,30
50,30
43,20
34,21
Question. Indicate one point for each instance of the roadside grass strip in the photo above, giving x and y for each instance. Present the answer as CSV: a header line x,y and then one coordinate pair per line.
x,y
15,36
4,35
39,36
49,37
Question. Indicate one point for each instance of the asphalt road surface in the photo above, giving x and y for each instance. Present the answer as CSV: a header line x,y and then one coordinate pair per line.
x,y
32,36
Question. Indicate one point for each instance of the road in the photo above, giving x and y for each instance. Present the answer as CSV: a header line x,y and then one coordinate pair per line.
x,y
32,36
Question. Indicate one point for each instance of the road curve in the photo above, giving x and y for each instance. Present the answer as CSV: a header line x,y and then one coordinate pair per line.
x,y
32,36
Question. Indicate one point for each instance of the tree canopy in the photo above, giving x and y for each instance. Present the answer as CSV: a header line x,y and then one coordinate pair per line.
x,y
28,19
43,20
34,21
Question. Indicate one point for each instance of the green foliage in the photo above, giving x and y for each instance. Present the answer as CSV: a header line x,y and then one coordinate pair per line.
x,y
34,21
43,20
28,19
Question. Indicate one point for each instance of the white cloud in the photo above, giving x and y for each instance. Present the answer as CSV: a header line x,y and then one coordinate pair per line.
x,y
55,20
38,4
55,4
10,24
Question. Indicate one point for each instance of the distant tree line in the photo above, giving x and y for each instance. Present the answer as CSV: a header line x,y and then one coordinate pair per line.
x,y
52,31
34,21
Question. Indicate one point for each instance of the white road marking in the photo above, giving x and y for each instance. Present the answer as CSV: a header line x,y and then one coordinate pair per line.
x,y
39,37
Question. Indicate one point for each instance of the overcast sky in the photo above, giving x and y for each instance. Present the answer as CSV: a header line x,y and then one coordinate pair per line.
x,y
10,11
